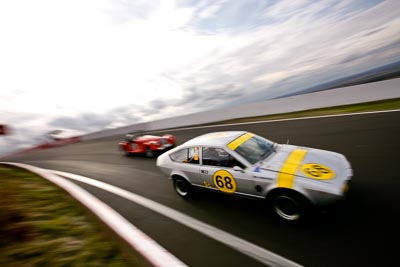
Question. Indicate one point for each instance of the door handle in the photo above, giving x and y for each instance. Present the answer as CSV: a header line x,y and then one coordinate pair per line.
x,y
204,171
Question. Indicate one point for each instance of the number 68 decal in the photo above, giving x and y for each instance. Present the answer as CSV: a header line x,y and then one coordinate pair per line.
x,y
224,181
317,171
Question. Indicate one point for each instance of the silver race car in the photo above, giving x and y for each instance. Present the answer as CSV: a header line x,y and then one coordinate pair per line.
x,y
292,178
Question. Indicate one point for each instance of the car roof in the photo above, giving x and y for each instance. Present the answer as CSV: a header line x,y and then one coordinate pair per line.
x,y
215,138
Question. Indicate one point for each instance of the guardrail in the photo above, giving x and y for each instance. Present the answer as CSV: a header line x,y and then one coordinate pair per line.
x,y
376,91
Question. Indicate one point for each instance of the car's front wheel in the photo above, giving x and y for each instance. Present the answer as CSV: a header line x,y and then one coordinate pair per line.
x,y
289,206
149,152
183,188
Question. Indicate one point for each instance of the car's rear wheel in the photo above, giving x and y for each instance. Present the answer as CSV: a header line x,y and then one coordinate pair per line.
x,y
289,206
183,188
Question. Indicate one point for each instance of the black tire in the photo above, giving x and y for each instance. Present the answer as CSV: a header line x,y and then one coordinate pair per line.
x,y
149,152
183,188
289,206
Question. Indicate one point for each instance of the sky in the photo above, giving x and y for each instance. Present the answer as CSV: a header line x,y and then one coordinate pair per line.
x,y
87,65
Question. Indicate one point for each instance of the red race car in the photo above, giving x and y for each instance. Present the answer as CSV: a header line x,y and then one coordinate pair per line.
x,y
149,145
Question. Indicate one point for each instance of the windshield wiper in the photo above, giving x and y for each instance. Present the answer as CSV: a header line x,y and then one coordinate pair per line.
x,y
266,154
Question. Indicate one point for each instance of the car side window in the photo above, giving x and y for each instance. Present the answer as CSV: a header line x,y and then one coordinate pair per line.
x,y
186,155
219,157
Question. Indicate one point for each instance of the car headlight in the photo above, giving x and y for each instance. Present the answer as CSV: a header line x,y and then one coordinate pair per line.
x,y
346,187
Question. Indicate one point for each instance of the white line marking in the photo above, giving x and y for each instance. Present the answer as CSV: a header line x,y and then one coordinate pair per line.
x,y
258,253
277,120
153,252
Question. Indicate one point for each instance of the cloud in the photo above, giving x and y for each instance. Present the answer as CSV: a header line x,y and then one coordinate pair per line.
x,y
158,104
123,12
86,122
297,50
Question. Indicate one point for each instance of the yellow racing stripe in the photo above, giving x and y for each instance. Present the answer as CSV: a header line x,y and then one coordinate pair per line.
x,y
240,140
289,168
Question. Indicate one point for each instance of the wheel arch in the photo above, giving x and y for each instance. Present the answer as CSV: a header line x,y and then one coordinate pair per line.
x,y
176,175
151,145
284,190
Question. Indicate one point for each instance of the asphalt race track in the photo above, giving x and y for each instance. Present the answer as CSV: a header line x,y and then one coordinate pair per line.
x,y
362,231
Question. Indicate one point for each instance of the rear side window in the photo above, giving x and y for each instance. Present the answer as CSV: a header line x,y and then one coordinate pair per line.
x,y
186,155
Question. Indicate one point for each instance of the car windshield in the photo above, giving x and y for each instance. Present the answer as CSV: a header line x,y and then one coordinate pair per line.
x,y
255,149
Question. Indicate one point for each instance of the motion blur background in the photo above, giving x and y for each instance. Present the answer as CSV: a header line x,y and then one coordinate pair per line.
x,y
75,67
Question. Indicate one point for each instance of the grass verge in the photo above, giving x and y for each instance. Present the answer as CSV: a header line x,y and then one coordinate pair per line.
x,y
41,225
389,104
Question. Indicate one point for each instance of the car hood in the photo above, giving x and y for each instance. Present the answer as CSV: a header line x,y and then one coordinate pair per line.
x,y
305,162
